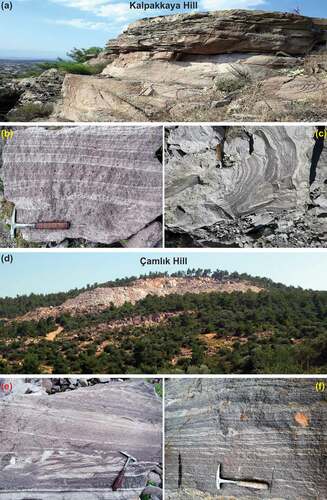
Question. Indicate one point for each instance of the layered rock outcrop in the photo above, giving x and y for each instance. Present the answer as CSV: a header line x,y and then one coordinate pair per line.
x,y
272,431
246,65
105,181
245,186
221,32
67,446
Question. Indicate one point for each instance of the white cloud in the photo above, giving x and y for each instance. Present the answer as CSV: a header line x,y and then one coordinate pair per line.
x,y
120,11
80,24
86,5
100,8
231,4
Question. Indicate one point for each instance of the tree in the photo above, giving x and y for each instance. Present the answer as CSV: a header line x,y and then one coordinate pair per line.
x,y
31,363
83,55
60,365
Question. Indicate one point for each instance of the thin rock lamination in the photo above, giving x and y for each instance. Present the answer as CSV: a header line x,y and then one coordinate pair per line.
x,y
106,181
272,431
67,446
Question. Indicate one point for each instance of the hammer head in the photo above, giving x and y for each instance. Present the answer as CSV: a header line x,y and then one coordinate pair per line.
x,y
132,459
218,479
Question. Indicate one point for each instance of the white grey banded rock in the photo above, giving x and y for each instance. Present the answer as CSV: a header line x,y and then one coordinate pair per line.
x,y
261,194
107,181
272,430
69,443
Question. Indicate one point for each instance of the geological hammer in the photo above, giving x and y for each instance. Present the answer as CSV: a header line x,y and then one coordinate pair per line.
x,y
117,484
256,485
49,225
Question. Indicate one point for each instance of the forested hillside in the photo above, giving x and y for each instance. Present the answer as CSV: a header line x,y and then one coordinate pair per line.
x,y
12,307
278,330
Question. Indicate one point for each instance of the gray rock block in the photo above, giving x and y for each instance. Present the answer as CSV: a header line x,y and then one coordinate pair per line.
x,y
106,181
270,430
261,194
70,443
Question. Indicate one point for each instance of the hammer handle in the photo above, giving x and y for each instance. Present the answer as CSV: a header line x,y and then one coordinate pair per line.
x,y
119,480
256,485
54,225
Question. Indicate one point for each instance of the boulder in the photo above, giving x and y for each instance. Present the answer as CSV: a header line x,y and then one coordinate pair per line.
x,y
221,32
87,98
37,94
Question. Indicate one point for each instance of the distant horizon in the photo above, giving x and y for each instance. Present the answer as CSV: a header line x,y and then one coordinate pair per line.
x,y
59,272
82,24
31,59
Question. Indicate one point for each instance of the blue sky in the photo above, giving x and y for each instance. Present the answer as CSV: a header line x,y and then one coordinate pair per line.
x,y
50,28
50,272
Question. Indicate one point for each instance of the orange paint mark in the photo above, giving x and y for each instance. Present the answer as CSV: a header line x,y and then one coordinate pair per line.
x,y
302,419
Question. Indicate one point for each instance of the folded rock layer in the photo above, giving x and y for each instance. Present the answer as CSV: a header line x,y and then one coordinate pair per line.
x,y
106,181
260,194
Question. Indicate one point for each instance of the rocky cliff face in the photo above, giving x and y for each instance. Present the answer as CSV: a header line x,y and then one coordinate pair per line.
x,y
244,65
247,186
221,32
99,299
272,431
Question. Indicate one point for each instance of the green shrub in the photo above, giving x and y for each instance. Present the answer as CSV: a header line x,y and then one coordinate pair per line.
x,y
30,111
227,84
83,55
159,389
75,68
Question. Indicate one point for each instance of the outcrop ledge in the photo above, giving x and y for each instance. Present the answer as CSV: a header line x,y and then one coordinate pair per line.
x,y
221,32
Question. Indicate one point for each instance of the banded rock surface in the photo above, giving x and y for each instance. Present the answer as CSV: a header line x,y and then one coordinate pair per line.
x,y
106,181
268,190
67,445
266,430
